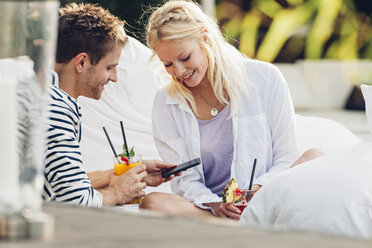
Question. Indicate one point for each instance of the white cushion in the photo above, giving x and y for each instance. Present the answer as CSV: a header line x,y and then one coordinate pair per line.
x,y
330,194
367,94
328,81
298,88
323,133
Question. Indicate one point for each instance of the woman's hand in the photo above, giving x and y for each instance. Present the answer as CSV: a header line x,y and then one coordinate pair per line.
x,y
225,210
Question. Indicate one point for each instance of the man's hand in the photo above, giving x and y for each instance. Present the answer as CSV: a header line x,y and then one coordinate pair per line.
x,y
154,169
126,187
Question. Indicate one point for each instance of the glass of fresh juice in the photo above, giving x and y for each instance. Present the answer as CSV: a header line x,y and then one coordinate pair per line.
x,y
123,164
245,196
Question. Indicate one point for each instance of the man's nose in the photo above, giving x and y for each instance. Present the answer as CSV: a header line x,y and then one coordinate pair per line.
x,y
114,76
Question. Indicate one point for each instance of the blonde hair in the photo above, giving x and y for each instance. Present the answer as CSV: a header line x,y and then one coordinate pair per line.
x,y
185,20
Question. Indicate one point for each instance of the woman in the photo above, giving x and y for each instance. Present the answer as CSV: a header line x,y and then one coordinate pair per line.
x,y
221,107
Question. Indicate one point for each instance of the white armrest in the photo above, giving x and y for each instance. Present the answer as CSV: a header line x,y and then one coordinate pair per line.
x,y
322,133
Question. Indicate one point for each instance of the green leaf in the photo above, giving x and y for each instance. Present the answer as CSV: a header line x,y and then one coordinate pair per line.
x,y
322,28
268,7
249,33
285,23
131,152
124,148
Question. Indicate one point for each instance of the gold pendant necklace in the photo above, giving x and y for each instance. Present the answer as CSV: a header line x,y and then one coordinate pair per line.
x,y
214,112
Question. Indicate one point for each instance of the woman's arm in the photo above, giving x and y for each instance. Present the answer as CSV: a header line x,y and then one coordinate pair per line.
x,y
281,120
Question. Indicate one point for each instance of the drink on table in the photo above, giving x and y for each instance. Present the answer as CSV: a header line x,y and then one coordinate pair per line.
x,y
125,165
245,196
232,194
125,160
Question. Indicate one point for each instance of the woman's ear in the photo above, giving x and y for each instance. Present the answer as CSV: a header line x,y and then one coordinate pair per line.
x,y
80,61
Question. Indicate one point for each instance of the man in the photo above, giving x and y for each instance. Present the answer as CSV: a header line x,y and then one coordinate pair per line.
x,y
90,41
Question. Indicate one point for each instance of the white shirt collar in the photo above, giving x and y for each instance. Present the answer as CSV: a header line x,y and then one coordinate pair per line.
x,y
175,99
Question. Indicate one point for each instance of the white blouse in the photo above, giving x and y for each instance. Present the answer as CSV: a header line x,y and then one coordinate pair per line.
x,y
264,128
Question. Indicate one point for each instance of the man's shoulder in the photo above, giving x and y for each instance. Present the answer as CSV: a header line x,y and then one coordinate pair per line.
x,y
61,101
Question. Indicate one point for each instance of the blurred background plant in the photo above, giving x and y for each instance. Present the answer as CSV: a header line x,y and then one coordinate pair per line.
x,y
284,31
276,30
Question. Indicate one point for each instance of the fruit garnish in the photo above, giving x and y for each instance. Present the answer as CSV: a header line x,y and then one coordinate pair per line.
x,y
124,154
229,191
238,192
123,167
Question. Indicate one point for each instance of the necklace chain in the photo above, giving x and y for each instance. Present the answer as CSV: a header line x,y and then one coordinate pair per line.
x,y
214,112
205,100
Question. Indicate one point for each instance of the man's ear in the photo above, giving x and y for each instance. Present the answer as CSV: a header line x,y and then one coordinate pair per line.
x,y
80,61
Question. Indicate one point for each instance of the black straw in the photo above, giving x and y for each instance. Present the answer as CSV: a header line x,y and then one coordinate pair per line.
x,y
252,175
125,140
112,147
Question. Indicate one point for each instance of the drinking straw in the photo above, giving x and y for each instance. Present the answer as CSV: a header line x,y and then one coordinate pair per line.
x,y
125,140
252,175
112,147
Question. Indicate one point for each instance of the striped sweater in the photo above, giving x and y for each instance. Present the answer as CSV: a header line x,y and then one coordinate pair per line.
x,y
65,179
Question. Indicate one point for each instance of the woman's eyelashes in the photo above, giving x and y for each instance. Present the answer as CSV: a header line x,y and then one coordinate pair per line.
x,y
183,60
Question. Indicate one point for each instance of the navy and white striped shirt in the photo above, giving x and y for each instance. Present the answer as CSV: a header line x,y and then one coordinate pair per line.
x,y
65,179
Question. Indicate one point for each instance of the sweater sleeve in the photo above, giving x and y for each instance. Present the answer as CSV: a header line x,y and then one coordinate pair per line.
x,y
64,178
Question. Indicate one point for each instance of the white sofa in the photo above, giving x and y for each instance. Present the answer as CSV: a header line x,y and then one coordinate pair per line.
x,y
130,100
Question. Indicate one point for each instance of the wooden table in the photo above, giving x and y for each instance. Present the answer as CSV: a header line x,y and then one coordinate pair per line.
x,y
85,227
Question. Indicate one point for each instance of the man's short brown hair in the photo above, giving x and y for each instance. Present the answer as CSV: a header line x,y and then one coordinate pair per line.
x,y
87,28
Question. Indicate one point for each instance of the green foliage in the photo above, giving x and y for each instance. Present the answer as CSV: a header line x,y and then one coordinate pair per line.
x,y
124,153
315,28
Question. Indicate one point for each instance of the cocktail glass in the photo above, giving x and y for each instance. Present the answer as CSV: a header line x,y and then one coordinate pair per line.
x,y
125,165
245,197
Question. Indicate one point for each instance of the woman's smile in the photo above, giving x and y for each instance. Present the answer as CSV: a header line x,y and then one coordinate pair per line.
x,y
188,76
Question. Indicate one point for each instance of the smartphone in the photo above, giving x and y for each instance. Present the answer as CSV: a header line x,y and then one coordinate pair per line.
x,y
179,168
